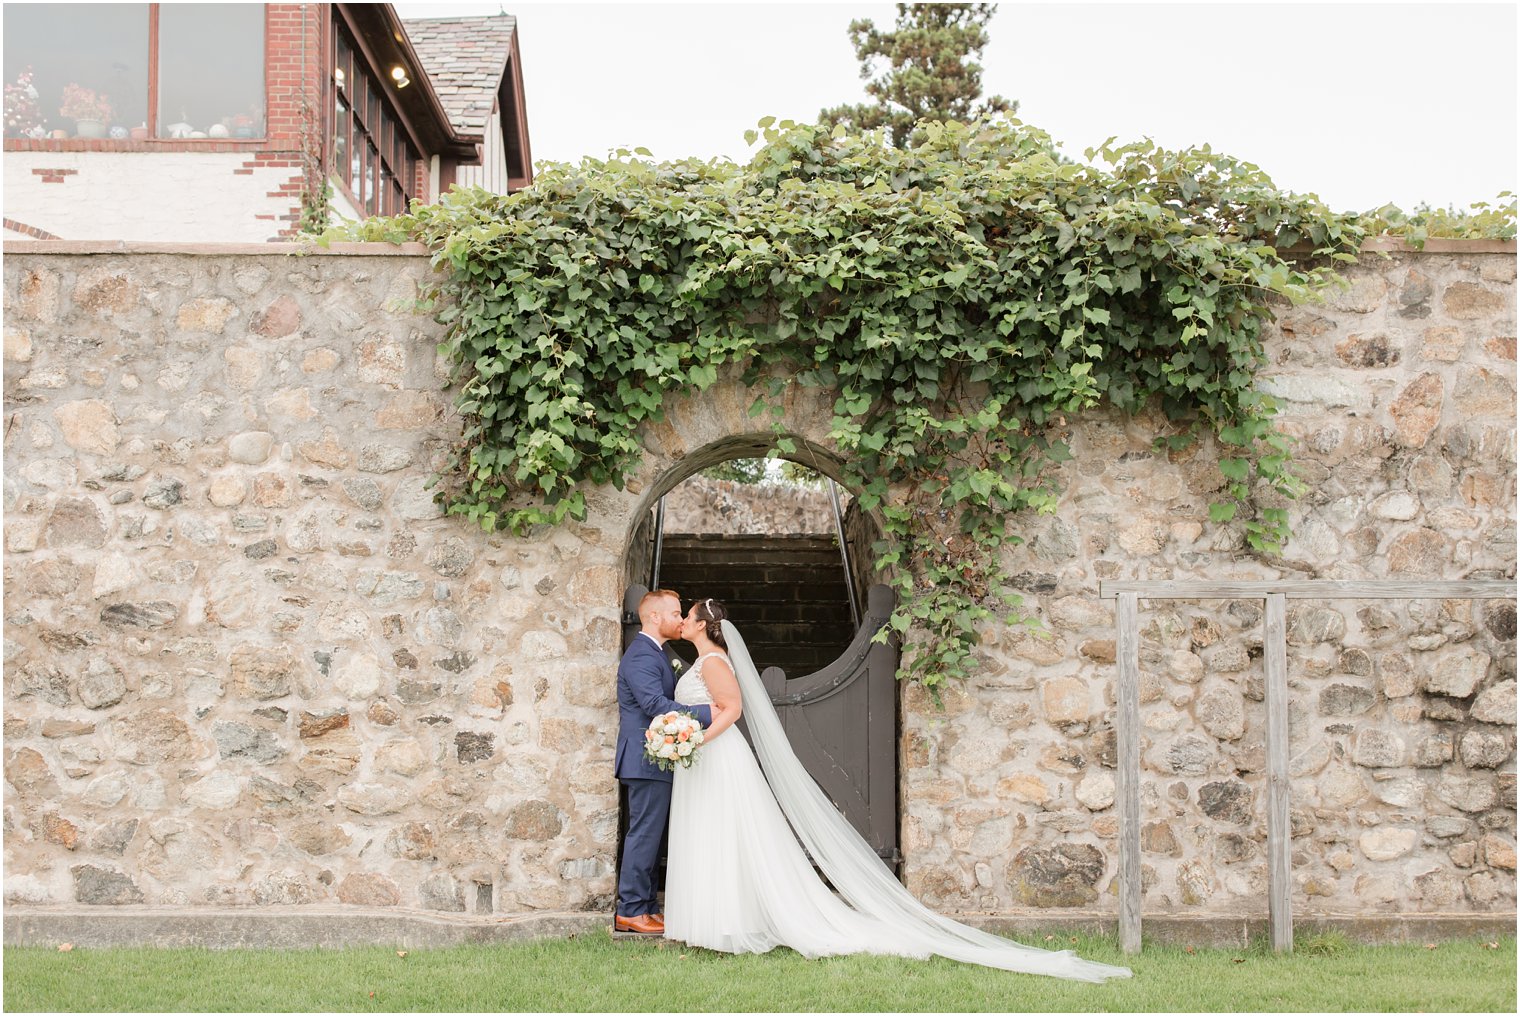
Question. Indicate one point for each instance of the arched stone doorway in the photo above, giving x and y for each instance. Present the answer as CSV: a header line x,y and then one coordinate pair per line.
x,y
842,714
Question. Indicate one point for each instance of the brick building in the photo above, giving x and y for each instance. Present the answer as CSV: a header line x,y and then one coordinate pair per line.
x,y
194,122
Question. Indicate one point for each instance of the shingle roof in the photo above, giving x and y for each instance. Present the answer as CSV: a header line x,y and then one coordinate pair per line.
x,y
465,58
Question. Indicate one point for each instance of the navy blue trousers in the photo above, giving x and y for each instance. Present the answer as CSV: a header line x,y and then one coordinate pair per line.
x,y
648,811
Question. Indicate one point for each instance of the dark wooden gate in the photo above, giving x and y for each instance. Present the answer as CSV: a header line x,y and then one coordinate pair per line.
x,y
841,721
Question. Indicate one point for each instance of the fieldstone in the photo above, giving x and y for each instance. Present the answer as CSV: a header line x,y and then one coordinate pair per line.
x,y
279,319
451,557
1435,888
1484,751
474,747
54,577
1229,658
1363,295
1098,650
1419,552
1396,506
1025,787
59,830
1499,619
1064,875
318,837
1376,748
1482,888
1444,827
1195,882
1397,677
1417,410
376,458
382,361
1458,674
1367,351
1463,855
1346,700
1310,625
1386,843
106,791
1183,665
1189,755
53,728
390,587
1466,793
1158,838
414,501
368,889
1468,301
405,757
164,494
1406,792
250,447
358,676
102,685
151,615
74,522
319,360
1096,791
18,345
1226,801
88,426
410,410
372,798
271,490
541,647
205,314
534,820
282,888
1318,390
1066,699
328,451
1434,750
103,886
1498,852
1496,704
382,714
245,367
441,892
1232,848
1500,347
262,673
114,837
1038,647
154,737
325,722
1221,711
364,492
415,841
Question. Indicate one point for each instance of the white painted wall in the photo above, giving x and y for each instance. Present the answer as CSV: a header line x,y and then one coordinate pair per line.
x,y
340,207
163,196
492,171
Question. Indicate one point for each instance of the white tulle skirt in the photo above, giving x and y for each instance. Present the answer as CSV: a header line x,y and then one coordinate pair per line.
x,y
738,881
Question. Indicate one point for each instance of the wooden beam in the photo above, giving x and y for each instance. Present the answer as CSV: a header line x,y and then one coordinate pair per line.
x,y
1128,799
1279,828
1312,589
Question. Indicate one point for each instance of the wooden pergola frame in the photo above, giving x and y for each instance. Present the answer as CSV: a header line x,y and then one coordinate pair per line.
x,y
1275,594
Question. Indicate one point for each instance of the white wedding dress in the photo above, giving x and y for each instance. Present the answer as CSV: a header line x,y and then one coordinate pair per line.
x,y
738,880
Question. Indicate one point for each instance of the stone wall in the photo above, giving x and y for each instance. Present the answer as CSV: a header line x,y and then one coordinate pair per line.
x,y
704,505
248,662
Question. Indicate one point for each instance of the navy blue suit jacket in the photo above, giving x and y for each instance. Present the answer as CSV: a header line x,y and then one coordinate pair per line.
x,y
645,684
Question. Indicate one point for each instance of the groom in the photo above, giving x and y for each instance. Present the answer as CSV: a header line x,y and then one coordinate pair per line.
x,y
645,684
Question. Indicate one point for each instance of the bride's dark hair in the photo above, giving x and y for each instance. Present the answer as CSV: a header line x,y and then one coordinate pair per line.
x,y
713,612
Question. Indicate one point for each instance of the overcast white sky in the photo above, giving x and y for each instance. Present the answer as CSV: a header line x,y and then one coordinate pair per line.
x,y
1358,103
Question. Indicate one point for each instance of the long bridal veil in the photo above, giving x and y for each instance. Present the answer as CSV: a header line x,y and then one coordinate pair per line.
x,y
853,867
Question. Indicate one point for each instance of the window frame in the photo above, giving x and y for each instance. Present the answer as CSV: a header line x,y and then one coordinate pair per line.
x,y
374,130
154,143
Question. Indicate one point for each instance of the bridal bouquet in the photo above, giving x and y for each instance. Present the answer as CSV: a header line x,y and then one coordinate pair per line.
x,y
672,739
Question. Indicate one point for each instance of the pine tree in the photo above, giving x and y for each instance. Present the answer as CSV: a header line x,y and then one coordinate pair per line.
x,y
933,73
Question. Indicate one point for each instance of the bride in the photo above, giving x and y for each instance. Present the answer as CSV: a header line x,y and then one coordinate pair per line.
x,y
737,879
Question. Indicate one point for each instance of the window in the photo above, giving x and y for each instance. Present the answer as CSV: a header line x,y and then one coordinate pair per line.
x,y
211,70
85,70
372,155
75,70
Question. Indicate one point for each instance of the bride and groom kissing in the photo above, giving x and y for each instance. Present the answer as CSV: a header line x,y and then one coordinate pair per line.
x,y
743,841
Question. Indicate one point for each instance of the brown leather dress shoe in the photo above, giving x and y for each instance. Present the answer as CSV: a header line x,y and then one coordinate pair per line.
x,y
643,924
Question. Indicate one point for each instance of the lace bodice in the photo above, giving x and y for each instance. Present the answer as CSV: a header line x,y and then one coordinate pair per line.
x,y
691,690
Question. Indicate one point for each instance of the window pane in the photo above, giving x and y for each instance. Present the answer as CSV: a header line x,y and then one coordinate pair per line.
x,y
371,180
211,70
341,128
87,62
343,64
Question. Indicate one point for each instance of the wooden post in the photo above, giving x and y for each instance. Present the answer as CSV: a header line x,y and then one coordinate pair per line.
x,y
1279,833
1128,657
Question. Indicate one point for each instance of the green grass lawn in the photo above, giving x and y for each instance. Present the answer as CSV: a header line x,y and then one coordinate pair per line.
x,y
593,973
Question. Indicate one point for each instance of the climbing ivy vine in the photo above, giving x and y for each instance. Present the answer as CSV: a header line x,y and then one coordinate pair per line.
x,y
961,297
